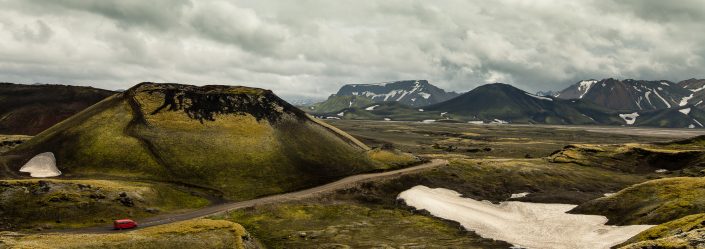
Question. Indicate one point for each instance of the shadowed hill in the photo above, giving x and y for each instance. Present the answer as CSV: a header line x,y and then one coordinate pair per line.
x,y
508,103
30,109
245,142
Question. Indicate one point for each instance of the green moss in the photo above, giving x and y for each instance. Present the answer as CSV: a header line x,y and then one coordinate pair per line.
x,y
652,202
497,179
692,239
80,203
199,233
671,228
354,226
393,158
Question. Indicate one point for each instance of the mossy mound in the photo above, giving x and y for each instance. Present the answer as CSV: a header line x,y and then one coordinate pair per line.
x,y
245,142
651,202
671,228
199,233
688,240
635,158
497,179
353,226
78,203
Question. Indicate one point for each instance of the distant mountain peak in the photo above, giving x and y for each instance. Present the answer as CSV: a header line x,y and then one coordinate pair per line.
x,y
414,93
628,94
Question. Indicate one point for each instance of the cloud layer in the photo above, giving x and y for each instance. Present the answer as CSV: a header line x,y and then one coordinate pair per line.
x,y
311,47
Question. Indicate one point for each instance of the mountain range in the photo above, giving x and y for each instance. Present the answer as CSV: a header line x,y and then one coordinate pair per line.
x,y
413,93
597,102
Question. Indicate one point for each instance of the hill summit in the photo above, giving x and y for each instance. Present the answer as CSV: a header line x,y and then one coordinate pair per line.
x,y
244,142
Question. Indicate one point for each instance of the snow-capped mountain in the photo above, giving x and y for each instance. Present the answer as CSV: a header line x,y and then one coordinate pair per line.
x,y
629,94
410,92
697,91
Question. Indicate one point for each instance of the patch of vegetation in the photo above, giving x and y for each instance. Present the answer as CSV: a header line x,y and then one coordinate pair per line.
x,y
688,240
651,202
635,158
392,158
199,233
45,204
352,226
497,179
671,228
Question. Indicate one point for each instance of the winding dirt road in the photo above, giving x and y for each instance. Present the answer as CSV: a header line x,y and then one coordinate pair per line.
x,y
298,195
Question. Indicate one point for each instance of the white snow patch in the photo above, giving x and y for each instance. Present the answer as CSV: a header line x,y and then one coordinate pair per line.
x,y
350,105
421,110
41,165
665,83
685,111
341,114
371,108
698,89
519,195
608,194
428,121
691,126
425,95
585,86
387,119
499,121
443,113
332,118
699,102
528,225
539,97
698,122
629,118
476,122
661,171
685,100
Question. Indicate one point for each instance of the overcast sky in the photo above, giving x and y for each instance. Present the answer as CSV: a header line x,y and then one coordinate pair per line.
x,y
312,47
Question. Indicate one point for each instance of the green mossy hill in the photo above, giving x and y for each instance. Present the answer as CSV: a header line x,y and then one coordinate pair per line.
x,y
686,159
47,204
688,240
651,202
245,142
672,228
199,233
353,226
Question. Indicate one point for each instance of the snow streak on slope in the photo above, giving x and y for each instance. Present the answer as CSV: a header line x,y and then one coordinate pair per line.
x,y
530,225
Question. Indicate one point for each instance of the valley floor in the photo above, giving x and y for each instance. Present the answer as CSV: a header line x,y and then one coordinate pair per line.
x,y
484,162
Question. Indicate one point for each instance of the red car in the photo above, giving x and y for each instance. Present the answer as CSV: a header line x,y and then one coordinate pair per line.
x,y
124,224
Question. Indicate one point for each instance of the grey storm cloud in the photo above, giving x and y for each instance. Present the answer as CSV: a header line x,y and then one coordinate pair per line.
x,y
312,47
